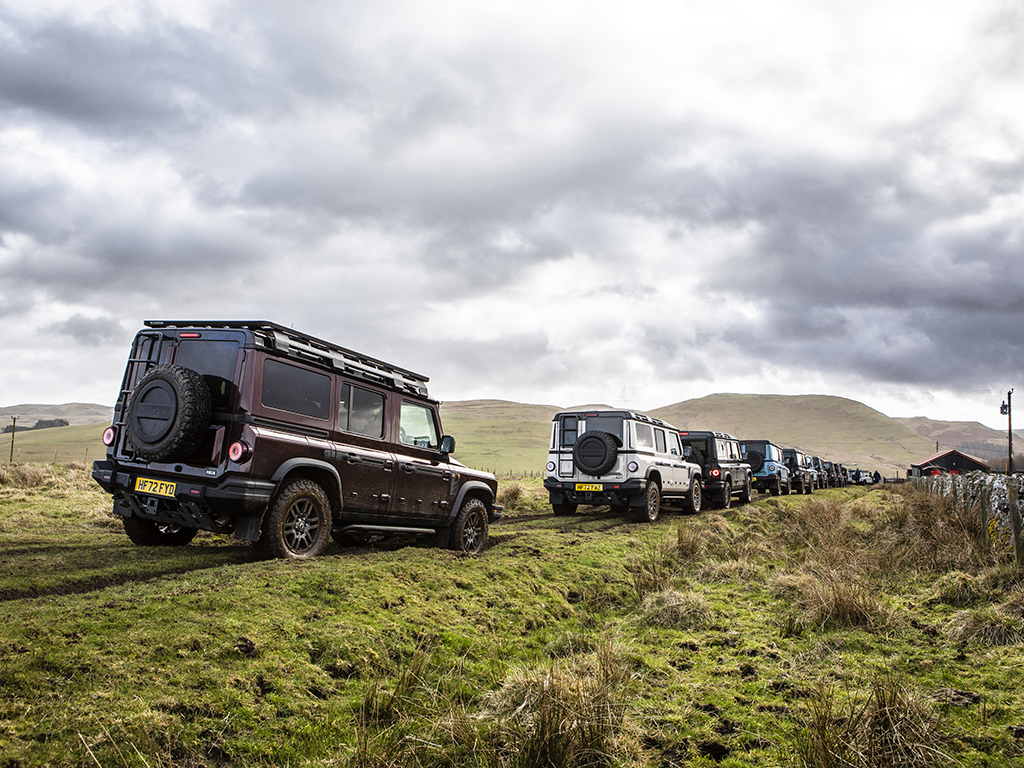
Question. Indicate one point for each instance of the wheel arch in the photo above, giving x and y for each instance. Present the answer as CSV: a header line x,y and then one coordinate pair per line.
x,y
320,472
472,489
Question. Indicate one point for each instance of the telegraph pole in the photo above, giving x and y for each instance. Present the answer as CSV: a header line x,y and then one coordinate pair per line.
x,y
1007,410
13,430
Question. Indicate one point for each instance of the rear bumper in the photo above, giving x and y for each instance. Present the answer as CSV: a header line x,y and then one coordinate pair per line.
x,y
232,505
610,493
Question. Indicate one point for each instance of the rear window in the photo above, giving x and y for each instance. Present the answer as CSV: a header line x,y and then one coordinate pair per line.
x,y
297,390
610,424
215,361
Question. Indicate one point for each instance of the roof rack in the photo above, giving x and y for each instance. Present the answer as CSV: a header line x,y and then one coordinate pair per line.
x,y
302,346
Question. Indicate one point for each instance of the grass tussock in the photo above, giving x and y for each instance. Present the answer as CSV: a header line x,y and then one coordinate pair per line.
x,y
835,600
676,610
893,726
60,477
564,715
988,626
958,589
653,567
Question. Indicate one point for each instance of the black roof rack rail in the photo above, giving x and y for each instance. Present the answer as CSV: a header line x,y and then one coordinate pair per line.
x,y
302,346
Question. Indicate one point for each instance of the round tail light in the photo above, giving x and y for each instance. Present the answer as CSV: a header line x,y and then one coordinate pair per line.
x,y
633,466
716,472
238,451
109,436
551,466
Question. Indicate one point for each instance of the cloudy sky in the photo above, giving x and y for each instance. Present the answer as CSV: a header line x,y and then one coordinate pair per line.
x,y
551,202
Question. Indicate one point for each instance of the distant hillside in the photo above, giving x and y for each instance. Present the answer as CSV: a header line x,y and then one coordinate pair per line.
x,y
507,437
498,435
953,433
834,428
74,413
79,444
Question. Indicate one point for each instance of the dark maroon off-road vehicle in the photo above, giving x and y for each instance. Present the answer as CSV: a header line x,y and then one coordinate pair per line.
x,y
277,437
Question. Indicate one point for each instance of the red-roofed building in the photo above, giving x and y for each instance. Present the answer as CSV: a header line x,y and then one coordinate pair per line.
x,y
947,462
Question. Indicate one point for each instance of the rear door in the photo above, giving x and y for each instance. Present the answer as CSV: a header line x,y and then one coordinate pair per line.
x,y
359,451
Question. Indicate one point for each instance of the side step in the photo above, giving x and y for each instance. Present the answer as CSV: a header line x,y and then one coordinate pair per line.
x,y
386,530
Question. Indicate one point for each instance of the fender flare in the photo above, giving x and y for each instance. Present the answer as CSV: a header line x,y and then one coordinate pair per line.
x,y
320,466
471,485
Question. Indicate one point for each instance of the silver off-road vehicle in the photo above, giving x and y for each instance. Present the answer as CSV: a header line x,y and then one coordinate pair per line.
x,y
626,460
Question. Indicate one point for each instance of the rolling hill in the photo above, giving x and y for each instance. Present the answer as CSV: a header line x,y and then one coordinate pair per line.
x,y
512,438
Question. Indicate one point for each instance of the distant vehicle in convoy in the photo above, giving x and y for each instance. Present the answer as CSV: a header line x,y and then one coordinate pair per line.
x,y
771,475
279,438
723,467
627,460
803,477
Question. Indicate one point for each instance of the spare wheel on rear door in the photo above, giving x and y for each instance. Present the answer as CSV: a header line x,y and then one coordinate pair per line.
x,y
168,413
755,460
595,453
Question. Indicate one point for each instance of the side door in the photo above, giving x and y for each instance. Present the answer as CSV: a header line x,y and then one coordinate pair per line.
x,y
359,451
423,482
675,478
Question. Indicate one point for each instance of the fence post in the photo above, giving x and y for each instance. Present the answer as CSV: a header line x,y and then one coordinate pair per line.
x,y
985,501
1012,495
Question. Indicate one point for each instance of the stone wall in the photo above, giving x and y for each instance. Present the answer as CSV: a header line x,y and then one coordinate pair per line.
x,y
991,494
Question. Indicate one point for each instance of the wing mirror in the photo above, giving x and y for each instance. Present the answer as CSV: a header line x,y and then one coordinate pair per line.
x,y
447,444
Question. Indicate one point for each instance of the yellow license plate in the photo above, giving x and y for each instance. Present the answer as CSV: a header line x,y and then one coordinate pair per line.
x,y
589,487
154,487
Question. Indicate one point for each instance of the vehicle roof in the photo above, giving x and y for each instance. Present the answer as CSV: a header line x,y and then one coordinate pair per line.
x,y
287,342
584,413
712,433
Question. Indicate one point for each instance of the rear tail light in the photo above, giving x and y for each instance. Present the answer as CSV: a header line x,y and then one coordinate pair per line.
x,y
551,466
109,436
632,466
716,472
238,451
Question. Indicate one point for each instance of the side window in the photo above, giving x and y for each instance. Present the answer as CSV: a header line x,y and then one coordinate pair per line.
x,y
673,444
644,436
417,427
297,390
361,411
569,426
659,441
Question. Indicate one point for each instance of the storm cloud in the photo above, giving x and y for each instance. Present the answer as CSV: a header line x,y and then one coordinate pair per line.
x,y
564,204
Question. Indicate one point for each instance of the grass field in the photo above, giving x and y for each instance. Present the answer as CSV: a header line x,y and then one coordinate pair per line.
x,y
851,627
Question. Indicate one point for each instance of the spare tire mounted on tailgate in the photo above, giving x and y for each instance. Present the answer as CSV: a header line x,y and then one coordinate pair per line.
x,y
595,452
168,414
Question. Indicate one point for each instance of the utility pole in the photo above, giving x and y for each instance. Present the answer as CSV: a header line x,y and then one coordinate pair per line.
x,y
13,430
1007,410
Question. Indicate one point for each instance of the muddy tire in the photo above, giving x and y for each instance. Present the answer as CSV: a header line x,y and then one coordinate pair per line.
x,y
469,531
564,508
297,524
747,493
727,495
695,498
651,508
148,533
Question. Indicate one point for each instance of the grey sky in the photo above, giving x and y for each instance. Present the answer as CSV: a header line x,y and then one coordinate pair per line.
x,y
633,203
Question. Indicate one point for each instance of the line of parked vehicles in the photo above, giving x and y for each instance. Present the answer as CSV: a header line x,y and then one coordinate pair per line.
x,y
634,463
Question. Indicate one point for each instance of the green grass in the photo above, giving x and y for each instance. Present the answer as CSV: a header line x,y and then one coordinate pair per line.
x,y
62,445
572,641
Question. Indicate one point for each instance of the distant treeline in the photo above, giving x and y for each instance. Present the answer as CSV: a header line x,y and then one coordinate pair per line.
x,y
41,424
986,451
